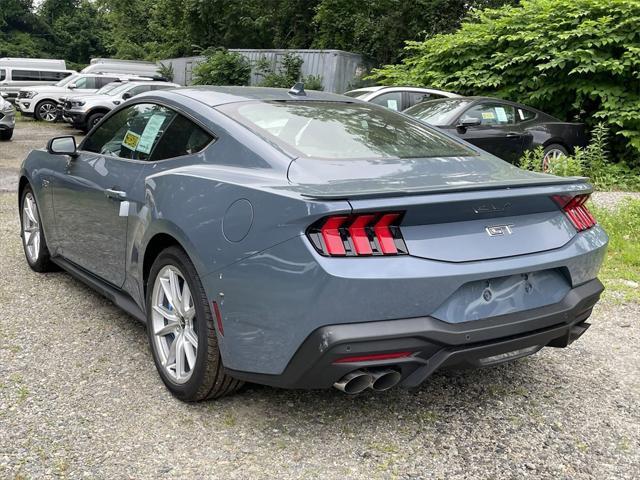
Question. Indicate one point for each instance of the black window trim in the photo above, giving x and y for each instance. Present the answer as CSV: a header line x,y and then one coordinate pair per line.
x,y
180,111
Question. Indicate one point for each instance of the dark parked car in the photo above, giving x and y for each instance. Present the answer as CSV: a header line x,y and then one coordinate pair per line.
x,y
310,240
503,128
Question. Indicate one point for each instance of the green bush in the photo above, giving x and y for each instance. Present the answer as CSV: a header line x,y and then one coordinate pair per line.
x,y
222,67
289,72
570,58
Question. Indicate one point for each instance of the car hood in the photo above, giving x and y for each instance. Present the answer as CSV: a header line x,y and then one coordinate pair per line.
x,y
45,88
408,176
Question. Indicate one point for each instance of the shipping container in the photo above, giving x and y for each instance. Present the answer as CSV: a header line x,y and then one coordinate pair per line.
x,y
338,69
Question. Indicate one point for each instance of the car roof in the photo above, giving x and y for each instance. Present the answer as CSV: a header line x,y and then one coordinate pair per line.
x,y
147,82
220,95
408,88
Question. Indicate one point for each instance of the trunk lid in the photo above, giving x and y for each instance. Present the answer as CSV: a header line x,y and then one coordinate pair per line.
x,y
455,209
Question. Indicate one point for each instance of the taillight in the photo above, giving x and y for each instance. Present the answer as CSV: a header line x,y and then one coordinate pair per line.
x,y
576,210
363,234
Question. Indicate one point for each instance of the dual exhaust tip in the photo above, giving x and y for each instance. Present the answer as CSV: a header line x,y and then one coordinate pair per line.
x,y
359,380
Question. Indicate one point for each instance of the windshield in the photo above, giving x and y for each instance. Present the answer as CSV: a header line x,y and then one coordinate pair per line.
x,y
108,88
119,88
69,79
439,112
342,130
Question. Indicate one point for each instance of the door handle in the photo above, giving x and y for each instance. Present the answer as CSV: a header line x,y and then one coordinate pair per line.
x,y
118,195
513,135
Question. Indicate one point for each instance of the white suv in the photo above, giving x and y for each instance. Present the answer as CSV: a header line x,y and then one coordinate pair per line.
x,y
398,98
42,102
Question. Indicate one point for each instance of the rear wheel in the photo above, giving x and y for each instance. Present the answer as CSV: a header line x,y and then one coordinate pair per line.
x,y
181,331
33,241
552,152
46,111
6,134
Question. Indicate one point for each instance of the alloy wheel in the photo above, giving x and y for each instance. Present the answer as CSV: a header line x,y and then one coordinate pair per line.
x,y
174,324
550,156
48,112
30,228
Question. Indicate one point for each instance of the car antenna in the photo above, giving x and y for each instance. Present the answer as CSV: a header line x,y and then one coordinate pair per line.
x,y
298,90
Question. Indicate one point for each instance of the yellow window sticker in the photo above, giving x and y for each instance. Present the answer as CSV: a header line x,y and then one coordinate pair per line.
x,y
488,115
150,133
131,140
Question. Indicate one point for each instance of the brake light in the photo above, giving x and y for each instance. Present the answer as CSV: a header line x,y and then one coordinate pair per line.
x,y
373,357
576,211
367,234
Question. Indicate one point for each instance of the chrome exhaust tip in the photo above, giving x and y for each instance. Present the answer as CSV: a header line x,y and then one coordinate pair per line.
x,y
354,382
385,379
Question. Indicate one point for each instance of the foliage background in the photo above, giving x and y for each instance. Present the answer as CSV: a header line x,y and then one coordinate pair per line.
x,y
574,59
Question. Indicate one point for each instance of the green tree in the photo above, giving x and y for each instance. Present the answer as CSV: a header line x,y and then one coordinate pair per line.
x,y
571,58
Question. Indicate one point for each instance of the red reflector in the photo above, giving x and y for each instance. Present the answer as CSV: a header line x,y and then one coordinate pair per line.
x,y
216,311
331,235
372,357
359,236
576,210
383,233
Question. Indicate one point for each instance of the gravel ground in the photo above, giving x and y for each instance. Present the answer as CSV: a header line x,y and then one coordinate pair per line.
x,y
80,398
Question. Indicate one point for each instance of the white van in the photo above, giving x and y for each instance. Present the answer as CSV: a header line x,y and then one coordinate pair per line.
x,y
13,78
49,63
129,67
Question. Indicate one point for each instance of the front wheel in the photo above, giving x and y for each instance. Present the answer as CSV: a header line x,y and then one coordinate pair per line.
x,y
46,111
33,241
181,332
92,121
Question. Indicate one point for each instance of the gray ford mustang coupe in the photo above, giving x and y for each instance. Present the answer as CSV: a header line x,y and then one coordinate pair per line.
x,y
306,239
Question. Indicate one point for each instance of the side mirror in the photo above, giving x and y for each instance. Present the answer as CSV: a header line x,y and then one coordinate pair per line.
x,y
126,96
71,86
62,146
469,122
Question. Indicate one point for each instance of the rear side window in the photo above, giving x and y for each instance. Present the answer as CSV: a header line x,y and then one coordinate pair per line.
x,y
102,81
26,75
343,130
3,74
525,115
183,137
147,131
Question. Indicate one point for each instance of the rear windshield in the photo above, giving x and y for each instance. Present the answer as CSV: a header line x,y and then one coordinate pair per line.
x,y
439,112
328,130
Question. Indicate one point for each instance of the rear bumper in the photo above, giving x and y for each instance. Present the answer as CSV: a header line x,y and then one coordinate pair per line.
x,y
435,344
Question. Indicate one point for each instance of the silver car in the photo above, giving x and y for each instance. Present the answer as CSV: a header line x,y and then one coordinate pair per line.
x,y
7,119
85,111
398,98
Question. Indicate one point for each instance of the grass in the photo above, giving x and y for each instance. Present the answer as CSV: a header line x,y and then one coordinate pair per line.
x,y
621,270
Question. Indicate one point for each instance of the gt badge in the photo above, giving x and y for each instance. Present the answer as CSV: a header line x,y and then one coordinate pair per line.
x,y
499,230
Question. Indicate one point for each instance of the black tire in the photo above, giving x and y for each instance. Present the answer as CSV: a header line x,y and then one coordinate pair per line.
x,y
92,120
43,262
6,134
208,380
37,113
554,147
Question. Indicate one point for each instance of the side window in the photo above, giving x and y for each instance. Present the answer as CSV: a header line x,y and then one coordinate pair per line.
x,y
102,81
491,114
417,97
3,74
131,133
26,75
183,137
525,115
391,100
51,76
